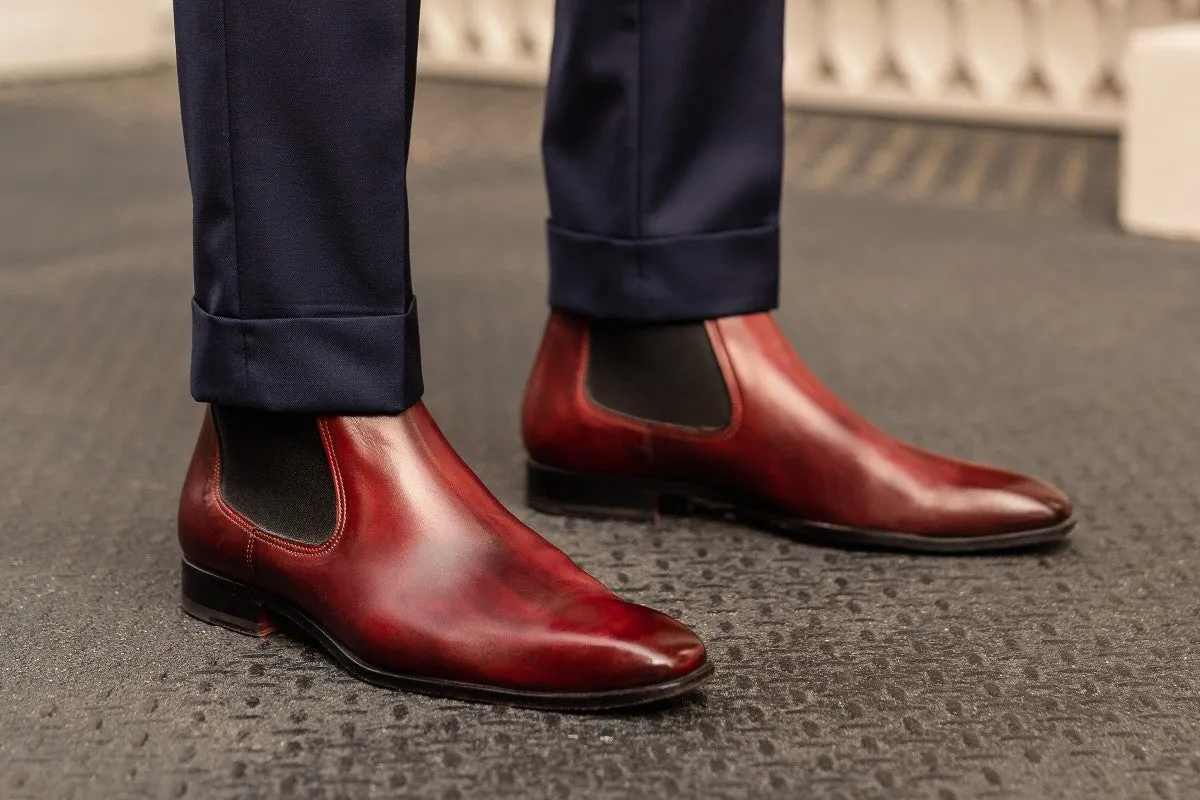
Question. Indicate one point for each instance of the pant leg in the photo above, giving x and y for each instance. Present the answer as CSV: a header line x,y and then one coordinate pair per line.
x,y
663,150
296,120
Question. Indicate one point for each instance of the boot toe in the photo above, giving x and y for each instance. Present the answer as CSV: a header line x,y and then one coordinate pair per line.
x,y
1058,506
677,651
637,647
1006,503
1034,504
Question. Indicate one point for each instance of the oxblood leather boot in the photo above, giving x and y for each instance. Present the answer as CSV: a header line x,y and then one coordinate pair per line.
x,y
723,416
372,536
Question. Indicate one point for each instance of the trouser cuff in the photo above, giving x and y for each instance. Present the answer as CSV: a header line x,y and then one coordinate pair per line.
x,y
320,365
672,279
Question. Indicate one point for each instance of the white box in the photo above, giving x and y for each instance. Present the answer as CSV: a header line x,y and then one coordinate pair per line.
x,y
1160,149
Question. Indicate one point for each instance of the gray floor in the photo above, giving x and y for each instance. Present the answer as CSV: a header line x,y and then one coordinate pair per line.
x,y
962,300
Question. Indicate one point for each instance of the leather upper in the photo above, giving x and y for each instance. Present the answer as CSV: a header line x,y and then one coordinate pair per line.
x,y
428,575
791,444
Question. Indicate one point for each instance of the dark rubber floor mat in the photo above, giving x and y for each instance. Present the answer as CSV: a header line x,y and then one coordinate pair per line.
x,y
1050,344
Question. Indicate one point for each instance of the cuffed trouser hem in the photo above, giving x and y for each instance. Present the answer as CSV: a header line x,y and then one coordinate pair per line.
x,y
674,279
319,365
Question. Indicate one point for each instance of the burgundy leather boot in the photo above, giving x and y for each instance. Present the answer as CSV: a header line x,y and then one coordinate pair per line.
x,y
723,417
371,535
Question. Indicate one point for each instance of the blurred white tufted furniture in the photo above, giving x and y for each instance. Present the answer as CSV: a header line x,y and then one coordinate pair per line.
x,y
1056,62
49,38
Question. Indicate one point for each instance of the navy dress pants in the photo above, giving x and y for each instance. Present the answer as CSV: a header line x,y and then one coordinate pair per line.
x,y
663,154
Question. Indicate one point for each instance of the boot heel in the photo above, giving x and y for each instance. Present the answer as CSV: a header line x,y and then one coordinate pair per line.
x,y
219,601
578,494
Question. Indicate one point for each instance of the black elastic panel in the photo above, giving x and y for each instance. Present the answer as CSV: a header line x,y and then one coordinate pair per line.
x,y
274,471
658,373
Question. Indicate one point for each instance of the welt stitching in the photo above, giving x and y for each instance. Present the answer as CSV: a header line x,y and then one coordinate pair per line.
x,y
336,469
214,480
717,338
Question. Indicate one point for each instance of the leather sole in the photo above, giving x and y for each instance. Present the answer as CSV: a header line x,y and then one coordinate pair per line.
x,y
579,494
220,601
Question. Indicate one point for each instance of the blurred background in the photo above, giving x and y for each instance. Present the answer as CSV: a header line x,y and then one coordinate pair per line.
x,y
1055,62
960,175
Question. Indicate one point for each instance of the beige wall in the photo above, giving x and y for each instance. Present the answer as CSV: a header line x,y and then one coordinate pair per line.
x,y
49,38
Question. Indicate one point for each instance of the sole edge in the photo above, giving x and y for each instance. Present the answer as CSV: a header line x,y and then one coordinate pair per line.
x,y
698,502
609,700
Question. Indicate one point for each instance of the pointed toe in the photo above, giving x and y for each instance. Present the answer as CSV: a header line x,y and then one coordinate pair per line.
x,y
426,582
635,647
1048,506
1057,504
791,456
678,651
1005,501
